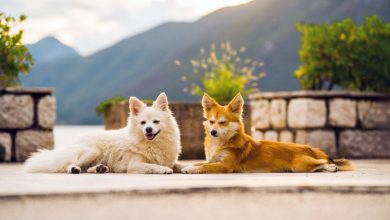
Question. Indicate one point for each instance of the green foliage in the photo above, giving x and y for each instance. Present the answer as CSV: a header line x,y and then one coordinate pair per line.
x,y
223,73
345,54
102,108
14,56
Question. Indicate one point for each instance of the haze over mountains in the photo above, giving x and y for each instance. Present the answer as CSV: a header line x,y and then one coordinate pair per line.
x,y
143,65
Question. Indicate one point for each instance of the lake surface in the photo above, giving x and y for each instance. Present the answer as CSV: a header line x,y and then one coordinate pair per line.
x,y
65,135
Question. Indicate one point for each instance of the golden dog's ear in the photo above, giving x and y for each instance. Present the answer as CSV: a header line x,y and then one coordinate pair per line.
x,y
236,104
161,102
208,102
135,106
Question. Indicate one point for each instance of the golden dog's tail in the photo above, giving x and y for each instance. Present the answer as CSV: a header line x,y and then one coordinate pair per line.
x,y
342,164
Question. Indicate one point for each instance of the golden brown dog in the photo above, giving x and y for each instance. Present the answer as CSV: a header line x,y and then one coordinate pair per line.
x,y
229,149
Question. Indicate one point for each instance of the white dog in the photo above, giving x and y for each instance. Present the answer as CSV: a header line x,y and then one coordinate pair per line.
x,y
149,144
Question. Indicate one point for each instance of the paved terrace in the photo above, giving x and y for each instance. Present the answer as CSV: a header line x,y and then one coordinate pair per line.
x,y
360,194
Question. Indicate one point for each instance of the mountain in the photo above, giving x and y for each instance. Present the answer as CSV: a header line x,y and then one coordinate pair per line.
x,y
50,49
143,65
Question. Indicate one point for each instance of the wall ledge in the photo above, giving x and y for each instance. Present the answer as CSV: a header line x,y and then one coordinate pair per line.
x,y
317,94
27,90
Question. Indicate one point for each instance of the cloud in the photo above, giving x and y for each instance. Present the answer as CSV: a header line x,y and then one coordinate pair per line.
x,y
89,26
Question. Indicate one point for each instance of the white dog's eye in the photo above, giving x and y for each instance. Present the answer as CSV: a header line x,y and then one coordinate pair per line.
x,y
156,121
143,122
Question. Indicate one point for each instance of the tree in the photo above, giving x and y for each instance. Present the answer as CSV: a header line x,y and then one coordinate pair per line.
x,y
345,54
14,56
222,73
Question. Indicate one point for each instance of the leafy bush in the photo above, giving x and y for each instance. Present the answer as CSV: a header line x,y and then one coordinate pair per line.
x,y
345,54
14,56
222,73
102,108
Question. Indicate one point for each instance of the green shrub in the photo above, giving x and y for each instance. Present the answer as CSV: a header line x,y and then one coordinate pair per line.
x,y
102,108
345,54
222,73
14,56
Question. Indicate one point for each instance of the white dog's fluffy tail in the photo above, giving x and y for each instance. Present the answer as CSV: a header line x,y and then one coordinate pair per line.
x,y
48,161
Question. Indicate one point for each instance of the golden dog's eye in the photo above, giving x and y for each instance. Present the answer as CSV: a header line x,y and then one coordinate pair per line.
x,y
143,122
211,122
156,121
222,122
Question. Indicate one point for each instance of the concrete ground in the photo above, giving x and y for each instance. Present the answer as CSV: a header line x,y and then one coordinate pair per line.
x,y
360,194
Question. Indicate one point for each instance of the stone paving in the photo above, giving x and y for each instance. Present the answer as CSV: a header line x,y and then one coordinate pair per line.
x,y
359,194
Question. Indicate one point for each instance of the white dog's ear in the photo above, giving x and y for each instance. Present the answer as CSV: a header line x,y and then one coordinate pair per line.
x,y
135,106
236,104
161,102
208,102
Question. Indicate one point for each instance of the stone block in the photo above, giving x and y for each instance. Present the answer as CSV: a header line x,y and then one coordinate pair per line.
x,y
306,113
30,141
271,136
323,139
286,136
365,144
374,114
47,112
260,114
5,147
17,111
278,113
342,112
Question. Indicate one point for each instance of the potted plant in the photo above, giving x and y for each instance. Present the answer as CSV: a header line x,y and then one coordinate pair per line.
x,y
27,114
220,72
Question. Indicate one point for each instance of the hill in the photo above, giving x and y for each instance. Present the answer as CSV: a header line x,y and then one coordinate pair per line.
x,y
50,49
143,65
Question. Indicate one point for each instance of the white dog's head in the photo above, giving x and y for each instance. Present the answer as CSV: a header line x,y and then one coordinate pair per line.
x,y
150,121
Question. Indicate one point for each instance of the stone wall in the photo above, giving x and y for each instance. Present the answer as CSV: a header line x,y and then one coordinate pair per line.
x,y
189,116
344,124
27,118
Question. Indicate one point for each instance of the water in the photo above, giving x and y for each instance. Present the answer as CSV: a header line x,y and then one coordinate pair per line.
x,y
65,135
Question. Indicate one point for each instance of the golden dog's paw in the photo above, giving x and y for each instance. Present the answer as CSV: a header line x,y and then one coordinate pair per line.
x,y
190,170
330,167
161,170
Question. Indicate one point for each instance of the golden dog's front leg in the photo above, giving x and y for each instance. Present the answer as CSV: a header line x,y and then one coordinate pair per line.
x,y
217,167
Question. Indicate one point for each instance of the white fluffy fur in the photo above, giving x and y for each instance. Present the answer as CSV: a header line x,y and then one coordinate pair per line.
x,y
124,150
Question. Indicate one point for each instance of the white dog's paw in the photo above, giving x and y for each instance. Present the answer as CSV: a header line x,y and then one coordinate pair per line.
x,y
330,167
190,170
73,169
161,170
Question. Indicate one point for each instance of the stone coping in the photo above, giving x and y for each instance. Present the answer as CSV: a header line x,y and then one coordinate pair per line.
x,y
318,94
27,90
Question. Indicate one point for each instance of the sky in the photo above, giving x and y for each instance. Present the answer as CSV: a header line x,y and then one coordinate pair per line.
x,y
91,25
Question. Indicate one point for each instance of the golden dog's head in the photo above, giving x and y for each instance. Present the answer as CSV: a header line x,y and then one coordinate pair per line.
x,y
223,121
